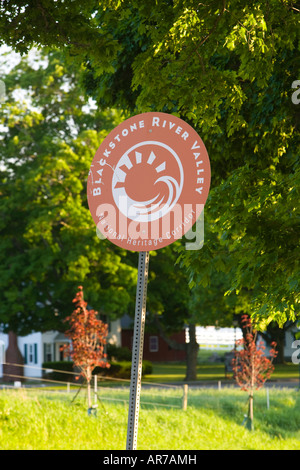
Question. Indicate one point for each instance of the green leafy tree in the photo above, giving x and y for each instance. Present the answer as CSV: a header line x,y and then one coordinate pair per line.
x,y
226,67
48,239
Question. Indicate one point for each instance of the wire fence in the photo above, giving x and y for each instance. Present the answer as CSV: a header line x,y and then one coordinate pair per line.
x,y
108,389
105,388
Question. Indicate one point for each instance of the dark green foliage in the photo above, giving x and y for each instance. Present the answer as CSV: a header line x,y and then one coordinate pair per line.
x,y
118,369
118,353
225,67
122,369
56,367
48,243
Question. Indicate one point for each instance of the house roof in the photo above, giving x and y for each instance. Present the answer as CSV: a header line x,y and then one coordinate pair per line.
x,y
60,338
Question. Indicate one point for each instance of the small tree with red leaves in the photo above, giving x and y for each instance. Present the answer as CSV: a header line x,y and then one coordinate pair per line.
x,y
88,335
251,368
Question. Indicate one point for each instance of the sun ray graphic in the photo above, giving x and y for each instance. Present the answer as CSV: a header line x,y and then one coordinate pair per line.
x,y
151,158
127,165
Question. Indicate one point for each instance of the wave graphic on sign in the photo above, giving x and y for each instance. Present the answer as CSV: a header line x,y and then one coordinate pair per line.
x,y
142,187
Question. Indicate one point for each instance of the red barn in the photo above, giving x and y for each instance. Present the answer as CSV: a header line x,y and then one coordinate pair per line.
x,y
155,347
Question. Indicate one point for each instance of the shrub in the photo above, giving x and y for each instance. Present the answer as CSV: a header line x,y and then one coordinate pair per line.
x,y
122,369
147,368
118,353
66,368
118,369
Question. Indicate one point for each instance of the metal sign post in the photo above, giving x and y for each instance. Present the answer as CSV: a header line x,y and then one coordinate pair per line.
x,y
137,350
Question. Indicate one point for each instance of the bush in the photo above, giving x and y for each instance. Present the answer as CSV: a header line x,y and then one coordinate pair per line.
x,y
64,366
147,368
118,369
122,369
117,353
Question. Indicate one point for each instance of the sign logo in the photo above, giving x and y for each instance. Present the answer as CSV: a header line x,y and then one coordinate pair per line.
x,y
159,168
148,181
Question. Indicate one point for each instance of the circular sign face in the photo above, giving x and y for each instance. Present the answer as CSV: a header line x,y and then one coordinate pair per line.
x,y
148,182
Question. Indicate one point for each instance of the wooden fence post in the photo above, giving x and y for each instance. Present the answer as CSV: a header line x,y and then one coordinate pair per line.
x,y
95,388
185,396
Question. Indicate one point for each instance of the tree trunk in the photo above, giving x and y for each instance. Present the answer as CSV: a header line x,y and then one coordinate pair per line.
x,y
88,377
250,412
192,349
89,395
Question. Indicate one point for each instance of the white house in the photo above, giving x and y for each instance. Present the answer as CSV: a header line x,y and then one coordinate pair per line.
x,y
37,348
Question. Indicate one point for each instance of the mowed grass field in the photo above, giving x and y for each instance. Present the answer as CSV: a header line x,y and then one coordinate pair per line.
x,y
32,419
175,372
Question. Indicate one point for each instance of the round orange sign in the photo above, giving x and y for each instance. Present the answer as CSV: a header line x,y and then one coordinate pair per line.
x,y
148,182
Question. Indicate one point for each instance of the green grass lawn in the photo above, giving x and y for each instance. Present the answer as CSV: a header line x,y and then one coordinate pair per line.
x,y
175,372
44,420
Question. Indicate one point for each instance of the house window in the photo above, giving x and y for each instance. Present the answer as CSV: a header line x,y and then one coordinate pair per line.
x,y
48,352
153,343
30,353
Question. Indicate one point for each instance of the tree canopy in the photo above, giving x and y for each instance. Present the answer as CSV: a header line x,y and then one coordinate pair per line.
x,y
48,239
226,67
